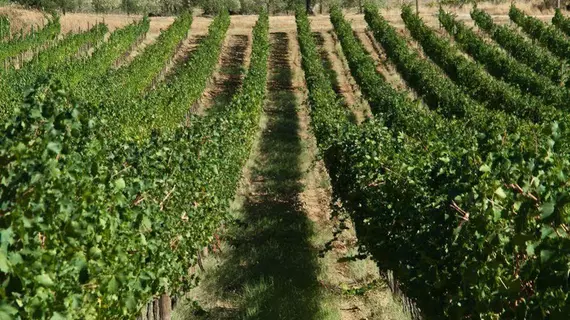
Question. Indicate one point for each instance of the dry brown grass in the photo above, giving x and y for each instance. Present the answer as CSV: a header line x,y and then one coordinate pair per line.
x,y
229,73
200,26
23,19
73,22
242,25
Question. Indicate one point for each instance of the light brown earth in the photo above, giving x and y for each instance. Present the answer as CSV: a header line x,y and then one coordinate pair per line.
x,y
233,61
23,18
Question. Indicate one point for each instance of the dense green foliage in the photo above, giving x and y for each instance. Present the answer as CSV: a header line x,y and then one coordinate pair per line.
x,y
164,106
104,223
548,36
173,7
440,93
120,43
4,27
448,218
32,40
561,22
127,83
110,186
473,78
538,58
329,119
14,84
394,107
504,67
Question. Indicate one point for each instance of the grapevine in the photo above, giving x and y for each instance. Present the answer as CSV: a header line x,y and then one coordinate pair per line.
x,y
503,66
538,58
14,83
33,40
425,213
548,36
121,221
479,84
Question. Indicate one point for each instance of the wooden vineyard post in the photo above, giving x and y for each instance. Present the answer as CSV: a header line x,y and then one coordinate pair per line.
x,y
149,312
159,308
439,6
155,309
142,315
417,7
165,307
174,302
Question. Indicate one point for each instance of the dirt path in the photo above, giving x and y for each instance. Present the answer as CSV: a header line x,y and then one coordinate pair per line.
x,y
384,66
188,46
356,284
180,56
284,256
269,268
155,28
198,31
228,75
231,66
345,95
361,108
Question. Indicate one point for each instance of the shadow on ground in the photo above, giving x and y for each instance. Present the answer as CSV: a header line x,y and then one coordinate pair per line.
x,y
331,74
232,70
269,267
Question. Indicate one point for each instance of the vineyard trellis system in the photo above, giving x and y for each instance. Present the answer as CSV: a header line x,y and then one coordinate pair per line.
x,y
111,186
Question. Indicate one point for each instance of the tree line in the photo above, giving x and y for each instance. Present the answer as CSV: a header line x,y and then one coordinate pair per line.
x,y
171,7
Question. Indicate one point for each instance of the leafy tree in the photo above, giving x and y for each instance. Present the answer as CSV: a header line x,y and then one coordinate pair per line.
x,y
130,6
170,6
215,6
173,7
65,5
102,6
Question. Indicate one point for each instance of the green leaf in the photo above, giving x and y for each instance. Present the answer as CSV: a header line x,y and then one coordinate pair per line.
x,y
497,213
120,184
546,231
15,258
484,168
4,267
146,224
7,312
113,285
58,316
45,280
6,237
530,249
546,210
131,303
55,147
500,193
95,252
545,255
